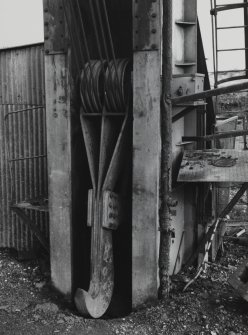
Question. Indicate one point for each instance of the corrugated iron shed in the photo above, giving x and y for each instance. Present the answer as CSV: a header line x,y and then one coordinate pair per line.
x,y
21,135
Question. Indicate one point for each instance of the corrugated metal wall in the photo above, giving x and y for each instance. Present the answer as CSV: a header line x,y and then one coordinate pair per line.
x,y
22,135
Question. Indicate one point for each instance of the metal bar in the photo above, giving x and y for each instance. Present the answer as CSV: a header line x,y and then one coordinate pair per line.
x,y
181,114
231,79
225,71
234,49
232,27
23,110
220,8
246,35
222,215
216,53
210,93
166,153
178,252
228,134
213,44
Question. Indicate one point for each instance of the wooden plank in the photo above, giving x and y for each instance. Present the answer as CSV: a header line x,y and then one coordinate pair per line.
x,y
146,167
59,170
197,166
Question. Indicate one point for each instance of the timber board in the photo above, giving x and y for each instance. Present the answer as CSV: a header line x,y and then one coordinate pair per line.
x,y
197,166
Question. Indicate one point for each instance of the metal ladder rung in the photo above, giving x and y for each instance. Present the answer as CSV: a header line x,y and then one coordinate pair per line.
x,y
220,8
232,27
224,71
185,23
234,49
215,9
244,77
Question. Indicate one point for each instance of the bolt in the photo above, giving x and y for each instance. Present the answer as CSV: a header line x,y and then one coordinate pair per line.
x,y
55,114
154,15
46,10
154,31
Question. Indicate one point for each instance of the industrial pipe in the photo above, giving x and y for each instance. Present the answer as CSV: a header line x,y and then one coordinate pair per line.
x,y
228,134
166,152
210,93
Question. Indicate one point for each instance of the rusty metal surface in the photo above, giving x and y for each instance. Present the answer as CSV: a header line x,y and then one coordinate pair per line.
x,y
146,25
197,166
54,34
21,86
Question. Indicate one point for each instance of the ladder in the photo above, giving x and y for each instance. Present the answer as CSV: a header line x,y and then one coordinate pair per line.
x,y
217,9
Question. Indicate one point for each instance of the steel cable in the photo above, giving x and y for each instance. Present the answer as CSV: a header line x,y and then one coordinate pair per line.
x,y
106,81
72,39
115,101
92,89
110,39
97,92
105,47
94,21
82,61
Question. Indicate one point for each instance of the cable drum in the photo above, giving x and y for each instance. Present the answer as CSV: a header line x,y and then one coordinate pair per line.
x,y
92,86
117,85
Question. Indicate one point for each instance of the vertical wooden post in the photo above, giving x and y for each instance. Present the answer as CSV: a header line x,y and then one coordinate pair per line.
x,y
59,146
146,150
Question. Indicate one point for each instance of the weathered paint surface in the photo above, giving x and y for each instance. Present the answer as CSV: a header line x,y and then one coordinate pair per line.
x,y
59,170
146,170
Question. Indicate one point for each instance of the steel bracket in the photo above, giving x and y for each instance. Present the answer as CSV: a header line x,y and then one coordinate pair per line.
x,y
111,210
146,25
